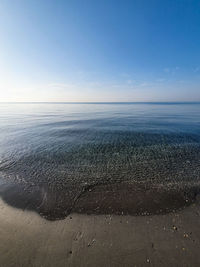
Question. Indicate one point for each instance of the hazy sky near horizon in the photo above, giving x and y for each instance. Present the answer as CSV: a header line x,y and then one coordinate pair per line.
x,y
108,50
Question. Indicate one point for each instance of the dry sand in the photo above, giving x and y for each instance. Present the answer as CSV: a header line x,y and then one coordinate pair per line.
x,y
27,240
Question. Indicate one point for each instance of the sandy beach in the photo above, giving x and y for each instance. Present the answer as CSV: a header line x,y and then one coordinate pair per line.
x,y
99,240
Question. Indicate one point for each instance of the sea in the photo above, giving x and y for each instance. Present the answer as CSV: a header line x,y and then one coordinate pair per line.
x,y
51,149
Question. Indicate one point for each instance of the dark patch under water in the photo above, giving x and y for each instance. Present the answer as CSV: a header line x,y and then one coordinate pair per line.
x,y
120,199
121,161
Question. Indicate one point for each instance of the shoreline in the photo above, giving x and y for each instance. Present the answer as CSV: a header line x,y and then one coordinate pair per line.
x,y
126,198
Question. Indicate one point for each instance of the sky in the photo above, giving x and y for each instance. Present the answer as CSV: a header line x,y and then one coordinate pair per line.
x,y
91,50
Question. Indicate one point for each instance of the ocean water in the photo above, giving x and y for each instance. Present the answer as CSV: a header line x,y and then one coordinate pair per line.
x,y
51,152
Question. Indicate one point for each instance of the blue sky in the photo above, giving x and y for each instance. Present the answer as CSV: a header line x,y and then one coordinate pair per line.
x,y
89,50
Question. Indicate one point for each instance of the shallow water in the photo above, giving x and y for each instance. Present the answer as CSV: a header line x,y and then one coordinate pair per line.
x,y
51,153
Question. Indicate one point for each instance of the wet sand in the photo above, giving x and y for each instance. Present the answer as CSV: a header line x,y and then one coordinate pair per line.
x,y
127,198
171,239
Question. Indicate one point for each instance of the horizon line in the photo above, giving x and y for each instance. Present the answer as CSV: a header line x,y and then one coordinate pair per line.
x,y
99,102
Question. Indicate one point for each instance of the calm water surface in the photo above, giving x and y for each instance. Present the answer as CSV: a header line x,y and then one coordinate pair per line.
x,y
68,147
